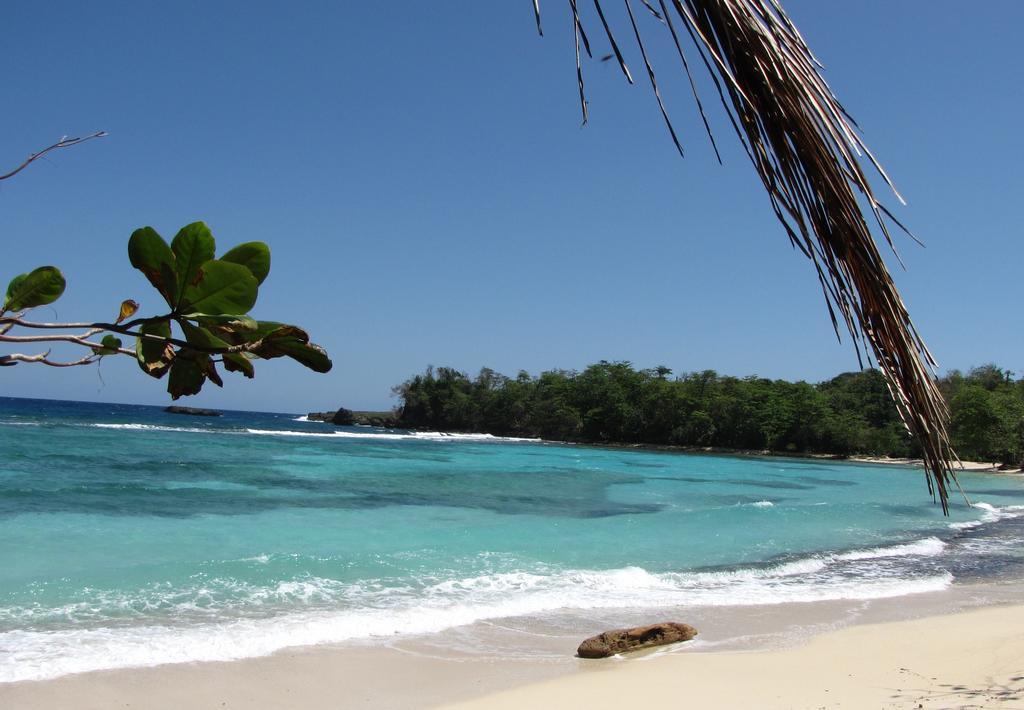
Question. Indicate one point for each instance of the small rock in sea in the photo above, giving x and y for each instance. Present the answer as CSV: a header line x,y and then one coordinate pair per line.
x,y
622,640
192,411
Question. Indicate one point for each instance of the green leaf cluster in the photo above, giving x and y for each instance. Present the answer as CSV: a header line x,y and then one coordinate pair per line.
x,y
209,299
188,276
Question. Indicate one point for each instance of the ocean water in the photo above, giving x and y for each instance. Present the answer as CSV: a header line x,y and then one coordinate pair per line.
x,y
133,537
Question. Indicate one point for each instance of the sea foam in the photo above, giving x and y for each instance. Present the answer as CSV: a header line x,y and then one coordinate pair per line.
x,y
361,435
387,436
222,620
989,514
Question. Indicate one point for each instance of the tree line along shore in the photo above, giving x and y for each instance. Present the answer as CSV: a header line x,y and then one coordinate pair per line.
x,y
614,403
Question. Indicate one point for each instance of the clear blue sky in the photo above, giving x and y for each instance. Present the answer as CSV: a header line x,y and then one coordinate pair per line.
x,y
419,172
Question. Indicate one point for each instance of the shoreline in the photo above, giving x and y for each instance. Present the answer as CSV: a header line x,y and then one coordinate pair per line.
x,y
969,466
972,466
812,654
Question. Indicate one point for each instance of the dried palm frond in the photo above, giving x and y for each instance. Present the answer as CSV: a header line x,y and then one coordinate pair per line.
x,y
808,153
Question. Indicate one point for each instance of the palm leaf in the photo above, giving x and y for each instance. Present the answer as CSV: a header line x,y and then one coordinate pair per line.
x,y
808,153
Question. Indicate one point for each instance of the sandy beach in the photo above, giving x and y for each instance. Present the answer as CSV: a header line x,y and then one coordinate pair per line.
x,y
968,659
977,466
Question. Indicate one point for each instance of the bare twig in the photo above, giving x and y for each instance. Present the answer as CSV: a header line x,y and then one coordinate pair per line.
x,y
43,358
82,339
64,142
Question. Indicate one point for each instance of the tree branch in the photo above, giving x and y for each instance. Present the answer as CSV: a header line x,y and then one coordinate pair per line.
x,y
115,327
76,339
43,358
95,328
64,142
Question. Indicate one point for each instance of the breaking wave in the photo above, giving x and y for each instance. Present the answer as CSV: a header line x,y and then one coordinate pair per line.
x,y
225,619
385,435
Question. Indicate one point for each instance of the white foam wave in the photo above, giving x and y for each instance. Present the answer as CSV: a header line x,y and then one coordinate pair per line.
x,y
928,547
805,566
759,504
387,436
364,435
990,514
307,434
157,427
223,620
432,435
302,418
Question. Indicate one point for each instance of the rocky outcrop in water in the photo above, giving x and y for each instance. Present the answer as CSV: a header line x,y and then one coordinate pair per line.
x,y
346,417
343,417
193,411
624,640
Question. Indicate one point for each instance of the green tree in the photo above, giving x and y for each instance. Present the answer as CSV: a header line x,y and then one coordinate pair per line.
x,y
987,413
976,422
553,415
614,402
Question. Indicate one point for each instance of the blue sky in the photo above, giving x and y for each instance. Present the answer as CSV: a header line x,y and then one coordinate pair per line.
x,y
419,172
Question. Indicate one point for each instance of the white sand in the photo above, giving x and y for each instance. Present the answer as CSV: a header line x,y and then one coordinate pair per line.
x,y
975,466
972,659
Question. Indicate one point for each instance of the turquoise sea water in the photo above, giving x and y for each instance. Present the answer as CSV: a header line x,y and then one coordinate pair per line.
x,y
129,536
